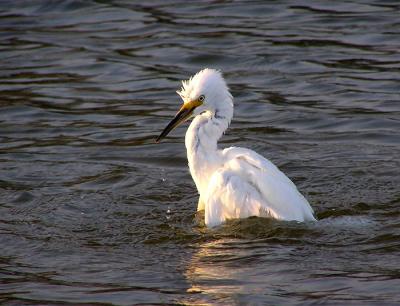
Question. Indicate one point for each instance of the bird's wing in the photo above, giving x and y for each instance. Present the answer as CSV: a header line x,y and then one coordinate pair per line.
x,y
277,194
256,160
229,196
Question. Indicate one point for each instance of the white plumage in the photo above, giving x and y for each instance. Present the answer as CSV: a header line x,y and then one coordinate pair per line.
x,y
234,182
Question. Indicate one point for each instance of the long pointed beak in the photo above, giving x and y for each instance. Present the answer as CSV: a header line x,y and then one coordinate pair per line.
x,y
184,113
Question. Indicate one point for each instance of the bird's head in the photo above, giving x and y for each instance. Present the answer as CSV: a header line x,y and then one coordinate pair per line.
x,y
203,92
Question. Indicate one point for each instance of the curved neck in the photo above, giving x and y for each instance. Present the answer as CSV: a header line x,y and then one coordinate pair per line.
x,y
201,142
205,131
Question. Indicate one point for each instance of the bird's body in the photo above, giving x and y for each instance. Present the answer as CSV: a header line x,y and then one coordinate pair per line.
x,y
234,182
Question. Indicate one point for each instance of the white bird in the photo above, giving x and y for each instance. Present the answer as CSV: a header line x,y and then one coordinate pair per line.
x,y
233,182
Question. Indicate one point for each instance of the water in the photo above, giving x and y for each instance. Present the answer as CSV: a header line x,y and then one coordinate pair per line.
x,y
92,211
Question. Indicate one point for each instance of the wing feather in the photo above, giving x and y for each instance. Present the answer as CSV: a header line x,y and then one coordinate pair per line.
x,y
250,185
230,197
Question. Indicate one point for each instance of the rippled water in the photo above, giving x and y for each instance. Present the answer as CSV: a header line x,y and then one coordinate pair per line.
x,y
92,211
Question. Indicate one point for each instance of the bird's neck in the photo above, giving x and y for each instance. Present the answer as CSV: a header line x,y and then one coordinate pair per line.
x,y
201,143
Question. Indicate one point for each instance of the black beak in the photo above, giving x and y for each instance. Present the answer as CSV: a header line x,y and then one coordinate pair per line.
x,y
183,114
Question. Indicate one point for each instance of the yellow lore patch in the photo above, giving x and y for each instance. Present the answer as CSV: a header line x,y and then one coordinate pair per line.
x,y
191,105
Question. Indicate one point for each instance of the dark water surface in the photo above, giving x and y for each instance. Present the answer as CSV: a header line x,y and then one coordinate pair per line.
x,y
92,211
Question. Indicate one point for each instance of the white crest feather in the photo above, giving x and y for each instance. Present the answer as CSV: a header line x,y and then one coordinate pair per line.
x,y
189,85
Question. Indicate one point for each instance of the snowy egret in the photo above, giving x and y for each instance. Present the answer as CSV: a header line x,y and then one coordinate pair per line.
x,y
233,182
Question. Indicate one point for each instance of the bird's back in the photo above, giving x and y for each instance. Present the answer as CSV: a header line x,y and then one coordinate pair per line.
x,y
248,184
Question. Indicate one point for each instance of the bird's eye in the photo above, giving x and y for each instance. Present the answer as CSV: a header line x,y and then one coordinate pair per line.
x,y
201,98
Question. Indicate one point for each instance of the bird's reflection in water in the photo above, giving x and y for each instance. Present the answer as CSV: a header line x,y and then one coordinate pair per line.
x,y
242,263
211,273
